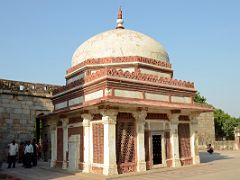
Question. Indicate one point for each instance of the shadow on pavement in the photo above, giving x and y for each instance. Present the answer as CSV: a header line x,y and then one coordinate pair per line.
x,y
205,157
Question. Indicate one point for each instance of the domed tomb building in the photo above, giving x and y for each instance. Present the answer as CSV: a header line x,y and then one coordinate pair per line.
x,y
121,110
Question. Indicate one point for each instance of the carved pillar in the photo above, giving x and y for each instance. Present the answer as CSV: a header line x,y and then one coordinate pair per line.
x,y
174,139
65,141
194,138
109,118
140,122
86,130
53,134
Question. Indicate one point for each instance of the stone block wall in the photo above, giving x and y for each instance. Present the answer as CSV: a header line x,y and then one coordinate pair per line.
x,y
206,129
20,104
224,145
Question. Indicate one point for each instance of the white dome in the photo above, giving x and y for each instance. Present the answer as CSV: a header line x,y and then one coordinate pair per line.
x,y
119,43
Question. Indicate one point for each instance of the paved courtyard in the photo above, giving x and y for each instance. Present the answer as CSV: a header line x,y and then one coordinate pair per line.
x,y
221,165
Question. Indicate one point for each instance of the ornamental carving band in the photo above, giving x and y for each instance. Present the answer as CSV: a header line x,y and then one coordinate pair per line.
x,y
137,75
119,60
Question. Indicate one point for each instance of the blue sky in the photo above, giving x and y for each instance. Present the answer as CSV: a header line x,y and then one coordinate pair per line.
x,y
38,39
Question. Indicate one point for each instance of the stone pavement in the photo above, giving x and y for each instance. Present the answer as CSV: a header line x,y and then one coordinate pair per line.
x,y
221,165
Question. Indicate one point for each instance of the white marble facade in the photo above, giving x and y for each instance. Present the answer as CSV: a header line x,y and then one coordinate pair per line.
x,y
71,145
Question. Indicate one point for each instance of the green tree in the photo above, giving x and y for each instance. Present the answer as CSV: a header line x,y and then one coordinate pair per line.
x,y
224,124
199,99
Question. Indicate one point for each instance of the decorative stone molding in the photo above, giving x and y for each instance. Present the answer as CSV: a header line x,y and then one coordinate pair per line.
x,y
136,75
52,124
140,116
108,92
174,118
111,60
109,116
86,119
65,122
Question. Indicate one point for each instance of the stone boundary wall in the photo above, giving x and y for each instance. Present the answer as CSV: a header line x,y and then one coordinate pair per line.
x,y
20,104
224,145
221,145
206,129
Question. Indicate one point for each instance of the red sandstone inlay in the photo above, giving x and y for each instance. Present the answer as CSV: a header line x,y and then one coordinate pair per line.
x,y
137,75
119,60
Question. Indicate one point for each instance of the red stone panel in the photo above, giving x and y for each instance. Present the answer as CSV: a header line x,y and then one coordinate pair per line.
x,y
184,143
168,149
126,143
148,158
59,147
98,143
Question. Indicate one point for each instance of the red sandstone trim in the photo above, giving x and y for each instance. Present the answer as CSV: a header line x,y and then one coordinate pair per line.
x,y
119,60
112,72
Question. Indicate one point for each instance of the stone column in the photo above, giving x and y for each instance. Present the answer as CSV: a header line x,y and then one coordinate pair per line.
x,y
174,139
194,138
53,134
109,119
237,138
65,142
140,122
86,130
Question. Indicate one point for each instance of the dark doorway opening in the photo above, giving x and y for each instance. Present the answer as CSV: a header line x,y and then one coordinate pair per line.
x,y
157,149
38,130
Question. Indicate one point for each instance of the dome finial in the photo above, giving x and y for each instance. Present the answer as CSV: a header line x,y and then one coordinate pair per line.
x,y
120,19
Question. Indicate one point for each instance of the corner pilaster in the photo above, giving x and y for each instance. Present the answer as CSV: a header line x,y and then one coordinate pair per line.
x,y
174,138
86,130
65,141
140,122
109,120
194,137
53,134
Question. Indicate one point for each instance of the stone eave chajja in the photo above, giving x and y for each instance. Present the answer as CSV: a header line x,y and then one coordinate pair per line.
x,y
137,104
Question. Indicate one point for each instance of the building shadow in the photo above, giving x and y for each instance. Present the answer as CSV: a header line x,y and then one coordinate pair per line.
x,y
41,172
205,157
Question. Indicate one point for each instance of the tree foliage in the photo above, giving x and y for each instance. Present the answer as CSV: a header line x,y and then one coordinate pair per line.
x,y
224,123
199,99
